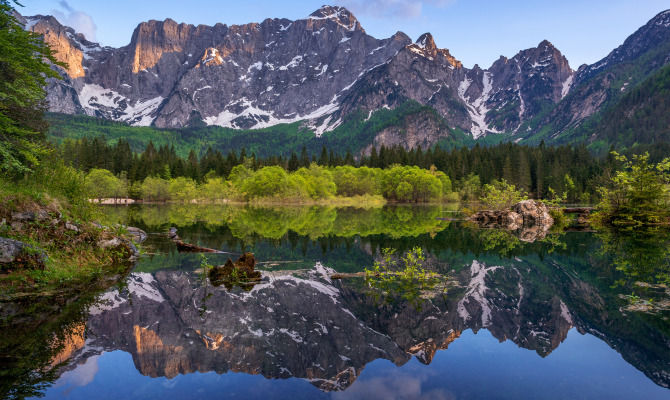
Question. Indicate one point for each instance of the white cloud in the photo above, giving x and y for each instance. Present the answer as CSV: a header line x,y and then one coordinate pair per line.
x,y
77,20
391,8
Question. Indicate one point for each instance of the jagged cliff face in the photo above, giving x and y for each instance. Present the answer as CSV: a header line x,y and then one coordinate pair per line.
x,y
242,76
321,70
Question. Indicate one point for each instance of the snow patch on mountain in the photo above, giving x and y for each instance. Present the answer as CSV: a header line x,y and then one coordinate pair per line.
x,y
567,84
295,61
98,101
264,119
477,109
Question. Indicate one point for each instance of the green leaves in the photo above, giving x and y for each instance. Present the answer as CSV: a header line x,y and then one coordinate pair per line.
x,y
638,193
406,278
500,195
24,67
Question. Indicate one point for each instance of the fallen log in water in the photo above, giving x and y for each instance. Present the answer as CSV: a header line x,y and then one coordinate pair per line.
x,y
345,275
351,275
578,210
184,247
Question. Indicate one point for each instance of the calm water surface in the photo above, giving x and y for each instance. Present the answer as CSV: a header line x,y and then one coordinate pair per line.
x,y
568,316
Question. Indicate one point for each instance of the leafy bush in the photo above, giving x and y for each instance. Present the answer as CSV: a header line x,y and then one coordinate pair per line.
x,y
101,183
638,194
182,189
500,195
155,189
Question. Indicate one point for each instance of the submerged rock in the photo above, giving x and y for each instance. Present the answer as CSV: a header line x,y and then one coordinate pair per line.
x,y
241,272
137,234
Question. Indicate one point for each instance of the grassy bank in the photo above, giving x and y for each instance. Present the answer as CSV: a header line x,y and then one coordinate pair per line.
x,y
50,214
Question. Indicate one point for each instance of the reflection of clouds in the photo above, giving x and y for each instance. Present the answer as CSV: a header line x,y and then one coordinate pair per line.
x,y
393,386
82,375
171,383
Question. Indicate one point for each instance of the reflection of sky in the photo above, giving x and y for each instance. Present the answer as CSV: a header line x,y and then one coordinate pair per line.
x,y
82,375
476,366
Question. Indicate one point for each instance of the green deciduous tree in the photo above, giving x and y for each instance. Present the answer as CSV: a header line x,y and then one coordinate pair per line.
x,y
155,189
500,195
183,189
266,182
100,183
638,193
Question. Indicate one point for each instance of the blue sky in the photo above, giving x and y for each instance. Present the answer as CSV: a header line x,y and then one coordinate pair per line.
x,y
475,31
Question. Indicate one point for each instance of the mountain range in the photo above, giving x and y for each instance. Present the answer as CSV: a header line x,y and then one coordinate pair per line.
x,y
324,74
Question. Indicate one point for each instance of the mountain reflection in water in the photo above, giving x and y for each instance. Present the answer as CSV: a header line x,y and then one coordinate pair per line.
x,y
298,323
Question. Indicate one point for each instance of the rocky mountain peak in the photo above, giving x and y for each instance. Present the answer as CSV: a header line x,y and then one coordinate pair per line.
x,y
321,69
662,19
649,38
545,45
544,55
339,15
426,42
425,46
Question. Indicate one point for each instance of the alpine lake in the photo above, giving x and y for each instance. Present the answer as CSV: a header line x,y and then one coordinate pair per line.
x,y
566,315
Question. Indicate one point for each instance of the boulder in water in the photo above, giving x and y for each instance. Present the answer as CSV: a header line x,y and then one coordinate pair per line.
x,y
241,273
528,219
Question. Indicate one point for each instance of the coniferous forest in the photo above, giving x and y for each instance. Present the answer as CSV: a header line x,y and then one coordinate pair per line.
x,y
534,169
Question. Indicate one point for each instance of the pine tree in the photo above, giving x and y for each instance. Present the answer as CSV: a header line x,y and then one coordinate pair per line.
x,y
293,162
323,159
192,166
304,158
349,159
24,67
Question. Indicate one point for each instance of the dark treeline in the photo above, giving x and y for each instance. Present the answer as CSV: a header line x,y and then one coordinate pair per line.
x,y
566,169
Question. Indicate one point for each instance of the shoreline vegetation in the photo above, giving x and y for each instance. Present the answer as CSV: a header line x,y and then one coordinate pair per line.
x,y
51,243
314,185
363,201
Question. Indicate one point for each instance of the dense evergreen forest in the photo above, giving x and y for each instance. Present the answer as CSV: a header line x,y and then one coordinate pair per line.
x,y
564,169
